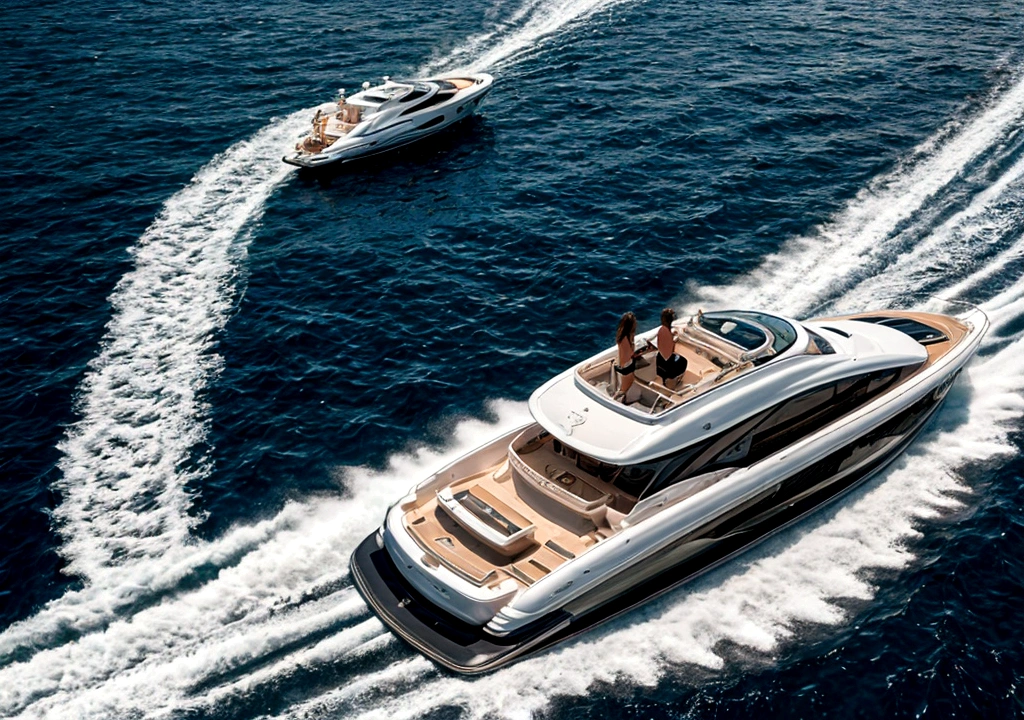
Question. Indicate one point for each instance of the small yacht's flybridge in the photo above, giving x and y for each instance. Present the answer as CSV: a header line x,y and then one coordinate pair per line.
x,y
605,501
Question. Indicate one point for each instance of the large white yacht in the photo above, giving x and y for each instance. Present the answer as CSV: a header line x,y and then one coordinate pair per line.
x,y
387,116
607,500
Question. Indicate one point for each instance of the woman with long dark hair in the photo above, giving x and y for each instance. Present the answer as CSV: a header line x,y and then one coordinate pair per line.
x,y
625,339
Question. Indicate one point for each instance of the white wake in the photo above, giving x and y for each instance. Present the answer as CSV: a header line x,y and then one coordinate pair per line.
x,y
862,239
127,461
528,26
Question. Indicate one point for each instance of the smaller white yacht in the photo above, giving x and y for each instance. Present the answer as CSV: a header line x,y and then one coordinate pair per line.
x,y
388,116
609,499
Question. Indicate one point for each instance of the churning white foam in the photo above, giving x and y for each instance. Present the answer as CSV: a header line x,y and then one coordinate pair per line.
x,y
278,598
978,231
127,461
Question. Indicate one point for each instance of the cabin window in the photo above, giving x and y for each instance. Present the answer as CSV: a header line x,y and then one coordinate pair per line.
x,y
431,122
634,479
631,479
802,416
677,466
751,440
803,490
878,381
414,95
924,334
436,99
728,448
772,430
799,407
811,411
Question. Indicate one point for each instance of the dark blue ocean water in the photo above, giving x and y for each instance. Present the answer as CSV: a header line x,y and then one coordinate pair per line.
x,y
216,373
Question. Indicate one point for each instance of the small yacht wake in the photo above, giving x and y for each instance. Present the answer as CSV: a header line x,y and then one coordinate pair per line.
x,y
520,33
128,459
162,614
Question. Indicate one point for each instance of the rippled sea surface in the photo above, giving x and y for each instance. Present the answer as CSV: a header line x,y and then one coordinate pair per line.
x,y
216,373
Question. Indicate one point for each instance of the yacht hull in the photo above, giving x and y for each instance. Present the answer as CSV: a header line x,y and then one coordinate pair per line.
x,y
470,649
373,148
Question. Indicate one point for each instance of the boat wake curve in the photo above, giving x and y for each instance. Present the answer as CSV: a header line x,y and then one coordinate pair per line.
x,y
130,457
127,460
899,219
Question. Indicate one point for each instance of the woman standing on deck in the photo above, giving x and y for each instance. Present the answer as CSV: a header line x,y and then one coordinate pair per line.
x,y
625,339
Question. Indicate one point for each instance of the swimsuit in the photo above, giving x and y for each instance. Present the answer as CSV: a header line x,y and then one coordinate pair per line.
x,y
671,368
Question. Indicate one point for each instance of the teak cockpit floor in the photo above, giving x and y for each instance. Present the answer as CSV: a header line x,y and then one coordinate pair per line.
x,y
556,538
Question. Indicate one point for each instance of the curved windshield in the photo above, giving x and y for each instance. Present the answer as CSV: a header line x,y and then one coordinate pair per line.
x,y
785,334
729,326
818,344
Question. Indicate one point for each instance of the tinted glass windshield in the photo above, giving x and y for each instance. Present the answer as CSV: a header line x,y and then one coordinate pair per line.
x,y
785,334
418,91
733,328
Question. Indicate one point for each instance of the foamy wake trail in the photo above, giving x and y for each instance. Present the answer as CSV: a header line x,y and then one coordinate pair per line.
x,y
983,228
862,239
284,604
92,608
519,33
127,461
